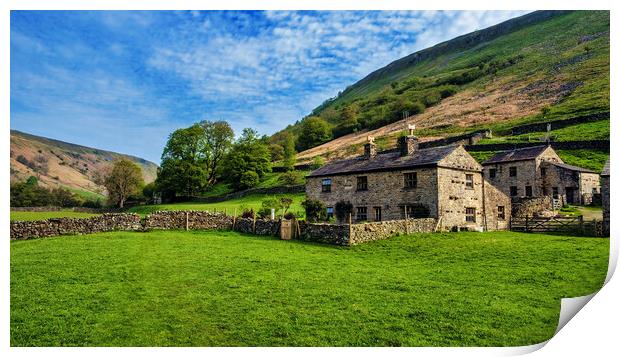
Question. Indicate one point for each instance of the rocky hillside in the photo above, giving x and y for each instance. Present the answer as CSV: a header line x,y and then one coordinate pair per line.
x,y
57,163
546,65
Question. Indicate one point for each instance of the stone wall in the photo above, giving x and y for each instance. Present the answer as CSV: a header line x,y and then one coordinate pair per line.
x,y
529,206
59,226
336,234
558,145
605,200
558,124
367,232
187,220
263,227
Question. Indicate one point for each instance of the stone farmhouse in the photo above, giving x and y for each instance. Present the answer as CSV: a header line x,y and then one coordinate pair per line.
x,y
538,171
445,183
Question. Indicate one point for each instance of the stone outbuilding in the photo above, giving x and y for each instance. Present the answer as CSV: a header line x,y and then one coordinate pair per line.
x,y
445,183
605,198
538,171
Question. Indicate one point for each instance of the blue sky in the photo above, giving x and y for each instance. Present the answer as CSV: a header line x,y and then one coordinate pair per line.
x,y
123,80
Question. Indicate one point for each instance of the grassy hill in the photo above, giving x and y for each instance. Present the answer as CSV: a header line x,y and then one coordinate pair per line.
x,y
546,65
57,163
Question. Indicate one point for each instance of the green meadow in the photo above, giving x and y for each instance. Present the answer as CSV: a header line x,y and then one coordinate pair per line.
x,y
198,288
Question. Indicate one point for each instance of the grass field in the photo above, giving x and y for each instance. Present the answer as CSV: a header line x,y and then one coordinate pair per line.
x,y
173,288
250,201
34,216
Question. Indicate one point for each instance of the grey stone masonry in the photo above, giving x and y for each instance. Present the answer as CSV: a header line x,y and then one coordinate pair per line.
x,y
443,183
61,226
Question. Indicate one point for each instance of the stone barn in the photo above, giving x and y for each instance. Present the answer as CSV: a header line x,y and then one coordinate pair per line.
x,y
538,171
443,182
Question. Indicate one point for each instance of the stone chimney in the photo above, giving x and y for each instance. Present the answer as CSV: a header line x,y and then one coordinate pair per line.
x,y
370,148
408,144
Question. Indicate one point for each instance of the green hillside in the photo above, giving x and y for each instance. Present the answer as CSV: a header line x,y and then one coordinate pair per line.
x,y
544,65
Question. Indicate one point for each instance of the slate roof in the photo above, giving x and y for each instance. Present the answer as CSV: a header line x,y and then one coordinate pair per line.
x,y
572,168
516,155
605,169
385,162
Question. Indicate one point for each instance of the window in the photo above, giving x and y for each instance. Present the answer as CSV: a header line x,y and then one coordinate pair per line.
x,y
330,212
545,191
512,170
501,213
362,214
362,183
492,173
555,192
470,214
543,171
528,191
327,185
377,214
469,180
514,191
411,180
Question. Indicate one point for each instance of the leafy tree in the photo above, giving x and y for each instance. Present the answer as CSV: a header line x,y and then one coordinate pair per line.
x,y
314,131
315,210
289,152
149,190
286,203
248,160
192,157
124,180
64,198
267,205
277,152
343,210
248,179
289,178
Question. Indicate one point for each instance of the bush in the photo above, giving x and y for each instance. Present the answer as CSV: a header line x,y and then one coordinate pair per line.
x,y
315,210
247,213
342,210
447,92
317,162
289,215
248,179
432,99
290,178
267,205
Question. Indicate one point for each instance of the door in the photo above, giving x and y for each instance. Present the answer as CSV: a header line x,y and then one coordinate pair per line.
x,y
377,214
570,195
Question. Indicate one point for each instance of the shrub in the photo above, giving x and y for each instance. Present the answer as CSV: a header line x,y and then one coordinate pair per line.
x,y
432,99
289,178
248,179
289,215
286,203
317,162
267,205
447,92
315,210
343,209
247,213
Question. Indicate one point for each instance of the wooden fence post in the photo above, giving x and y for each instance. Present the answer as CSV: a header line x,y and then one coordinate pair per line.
x,y
350,227
234,219
527,223
186,221
581,226
253,223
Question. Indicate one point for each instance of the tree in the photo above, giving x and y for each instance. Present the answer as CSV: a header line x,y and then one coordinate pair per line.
x,y
289,152
314,131
192,157
124,180
315,210
248,154
343,210
286,203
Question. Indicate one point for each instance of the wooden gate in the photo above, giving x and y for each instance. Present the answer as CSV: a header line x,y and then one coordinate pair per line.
x,y
568,225
286,229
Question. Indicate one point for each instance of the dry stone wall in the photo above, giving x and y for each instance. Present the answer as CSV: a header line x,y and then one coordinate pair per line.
x,y
58,226
529,206
337,234
367,232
